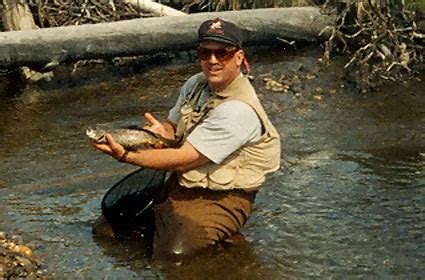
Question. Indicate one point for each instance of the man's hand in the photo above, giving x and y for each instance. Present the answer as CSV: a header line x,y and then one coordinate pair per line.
x,y
164,130
112,148
158,128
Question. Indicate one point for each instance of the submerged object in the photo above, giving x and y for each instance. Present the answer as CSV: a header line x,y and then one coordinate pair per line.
x,y
132,138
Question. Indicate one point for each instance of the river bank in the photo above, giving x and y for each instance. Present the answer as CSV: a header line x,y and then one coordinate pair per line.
x,y
17,260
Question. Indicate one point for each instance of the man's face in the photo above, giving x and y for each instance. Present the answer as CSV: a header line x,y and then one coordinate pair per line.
x,y
220,63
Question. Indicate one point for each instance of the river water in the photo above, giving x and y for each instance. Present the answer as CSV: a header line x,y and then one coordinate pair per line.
x,y
348,201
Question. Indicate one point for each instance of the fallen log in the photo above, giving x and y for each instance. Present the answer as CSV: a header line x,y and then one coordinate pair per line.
x,y
153,35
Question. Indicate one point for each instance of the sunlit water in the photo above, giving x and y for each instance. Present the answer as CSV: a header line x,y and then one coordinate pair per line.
x,y
348,201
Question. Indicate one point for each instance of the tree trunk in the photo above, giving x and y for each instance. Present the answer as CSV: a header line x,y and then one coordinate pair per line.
x,y
16,15
153,35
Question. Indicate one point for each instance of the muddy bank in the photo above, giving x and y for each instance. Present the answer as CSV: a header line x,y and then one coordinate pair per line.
x,y
351,182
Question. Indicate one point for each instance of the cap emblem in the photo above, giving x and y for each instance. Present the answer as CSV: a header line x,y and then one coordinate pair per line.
x,y
216,26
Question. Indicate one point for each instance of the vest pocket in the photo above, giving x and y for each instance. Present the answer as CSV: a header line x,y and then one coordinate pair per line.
x,y
194,178
224,175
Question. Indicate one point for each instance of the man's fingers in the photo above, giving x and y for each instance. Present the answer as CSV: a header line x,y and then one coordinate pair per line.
x,y
151,119
155,126
102,147
159,145
113,144
110,140
111,147
116,148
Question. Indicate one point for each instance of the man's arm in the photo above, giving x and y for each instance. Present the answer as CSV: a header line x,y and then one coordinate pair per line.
x,y
184,158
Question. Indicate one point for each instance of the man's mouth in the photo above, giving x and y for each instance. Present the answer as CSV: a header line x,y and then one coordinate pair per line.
x,y
214,70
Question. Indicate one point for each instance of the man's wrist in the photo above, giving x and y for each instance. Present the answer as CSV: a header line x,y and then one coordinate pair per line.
x,y
123,157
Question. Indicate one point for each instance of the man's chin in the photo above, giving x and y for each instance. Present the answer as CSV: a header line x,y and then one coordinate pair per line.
x,y
214,80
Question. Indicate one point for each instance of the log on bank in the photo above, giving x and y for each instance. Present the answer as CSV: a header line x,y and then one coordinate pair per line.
x,y
153,35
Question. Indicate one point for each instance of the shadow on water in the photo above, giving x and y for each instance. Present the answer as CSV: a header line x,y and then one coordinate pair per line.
x,y
348,200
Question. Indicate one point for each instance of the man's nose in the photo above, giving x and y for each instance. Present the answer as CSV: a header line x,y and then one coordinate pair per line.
x,y
213,59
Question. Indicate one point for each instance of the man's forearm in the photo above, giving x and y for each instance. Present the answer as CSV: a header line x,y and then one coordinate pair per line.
x,y
167,159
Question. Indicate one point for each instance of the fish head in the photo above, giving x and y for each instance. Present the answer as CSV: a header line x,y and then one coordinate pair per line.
x,y
96,135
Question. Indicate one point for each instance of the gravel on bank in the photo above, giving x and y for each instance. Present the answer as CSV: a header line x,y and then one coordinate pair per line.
x,y
17,260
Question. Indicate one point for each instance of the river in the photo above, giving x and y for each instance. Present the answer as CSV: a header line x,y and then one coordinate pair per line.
x,y
348,201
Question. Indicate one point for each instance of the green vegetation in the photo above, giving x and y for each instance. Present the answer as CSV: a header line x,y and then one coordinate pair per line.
x,y
416,5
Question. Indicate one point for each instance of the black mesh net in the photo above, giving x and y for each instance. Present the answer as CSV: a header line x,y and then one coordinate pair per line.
x,y
128,203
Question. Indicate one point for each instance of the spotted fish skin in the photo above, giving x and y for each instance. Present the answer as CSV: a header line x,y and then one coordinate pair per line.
x,y
129,138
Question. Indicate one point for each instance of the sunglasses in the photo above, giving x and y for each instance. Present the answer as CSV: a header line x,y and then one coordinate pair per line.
x,y
219,54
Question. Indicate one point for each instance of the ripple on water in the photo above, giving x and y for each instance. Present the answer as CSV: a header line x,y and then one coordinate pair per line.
x,y
352,212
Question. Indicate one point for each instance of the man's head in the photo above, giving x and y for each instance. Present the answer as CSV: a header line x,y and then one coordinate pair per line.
x,y
220,52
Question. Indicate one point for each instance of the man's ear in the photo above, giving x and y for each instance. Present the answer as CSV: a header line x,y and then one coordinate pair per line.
x,y
240,55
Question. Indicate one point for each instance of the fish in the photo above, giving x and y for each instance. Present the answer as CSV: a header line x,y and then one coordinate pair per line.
x,y
131,138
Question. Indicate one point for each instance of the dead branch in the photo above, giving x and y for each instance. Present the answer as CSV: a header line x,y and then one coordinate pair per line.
x,y
382,44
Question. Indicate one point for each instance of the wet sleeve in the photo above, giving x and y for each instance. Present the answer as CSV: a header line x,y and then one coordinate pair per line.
x,y
230,126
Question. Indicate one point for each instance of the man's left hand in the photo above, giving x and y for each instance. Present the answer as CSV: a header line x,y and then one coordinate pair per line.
x,y
112,148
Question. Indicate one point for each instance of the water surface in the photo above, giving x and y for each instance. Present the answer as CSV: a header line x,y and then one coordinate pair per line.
x,y
348,201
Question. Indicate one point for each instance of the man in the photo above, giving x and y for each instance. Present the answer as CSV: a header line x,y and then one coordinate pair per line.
x,y
225,147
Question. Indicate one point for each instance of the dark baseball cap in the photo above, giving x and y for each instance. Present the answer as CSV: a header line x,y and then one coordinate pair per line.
x,y
220,31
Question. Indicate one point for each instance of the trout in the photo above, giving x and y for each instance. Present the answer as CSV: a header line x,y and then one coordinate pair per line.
x,y
131,138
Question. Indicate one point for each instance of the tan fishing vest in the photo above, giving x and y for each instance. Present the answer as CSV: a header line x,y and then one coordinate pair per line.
x,y
245,168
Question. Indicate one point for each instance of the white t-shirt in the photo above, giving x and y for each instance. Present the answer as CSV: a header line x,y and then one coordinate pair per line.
x,y
229,126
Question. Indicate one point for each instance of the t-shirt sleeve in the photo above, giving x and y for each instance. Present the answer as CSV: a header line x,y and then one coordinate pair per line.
x,y
230,125
174,113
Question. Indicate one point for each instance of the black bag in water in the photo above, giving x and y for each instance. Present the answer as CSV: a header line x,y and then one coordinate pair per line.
x,y
128,203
